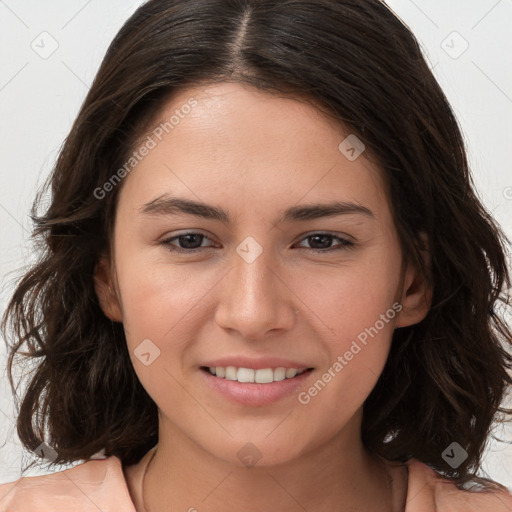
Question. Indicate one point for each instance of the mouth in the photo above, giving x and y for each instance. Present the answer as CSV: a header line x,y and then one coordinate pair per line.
x,y
250,375
252,387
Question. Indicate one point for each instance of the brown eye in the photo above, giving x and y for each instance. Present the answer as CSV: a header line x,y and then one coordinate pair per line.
x,y
188,242
322,242
191,242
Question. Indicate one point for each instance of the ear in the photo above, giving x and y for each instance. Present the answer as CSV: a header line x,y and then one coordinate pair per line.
x,y
103,284
416,291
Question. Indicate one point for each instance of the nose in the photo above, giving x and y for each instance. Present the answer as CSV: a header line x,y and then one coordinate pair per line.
x,y
256,299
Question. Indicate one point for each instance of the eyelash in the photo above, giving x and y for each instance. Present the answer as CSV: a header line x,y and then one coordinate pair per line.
x,y
345,244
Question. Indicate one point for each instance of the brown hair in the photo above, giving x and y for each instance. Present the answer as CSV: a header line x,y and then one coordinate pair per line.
x,y
445,377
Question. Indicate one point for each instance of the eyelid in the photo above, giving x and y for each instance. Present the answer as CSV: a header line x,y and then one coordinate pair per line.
x,y
166,241
346,241
335,234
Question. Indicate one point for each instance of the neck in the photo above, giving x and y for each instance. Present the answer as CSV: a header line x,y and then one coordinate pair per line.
x,y
184,476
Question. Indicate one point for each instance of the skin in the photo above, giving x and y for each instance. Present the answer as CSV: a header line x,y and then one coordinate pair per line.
x,y
255,154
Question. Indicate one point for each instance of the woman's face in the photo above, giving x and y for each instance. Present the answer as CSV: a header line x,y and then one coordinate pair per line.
x,y
296,258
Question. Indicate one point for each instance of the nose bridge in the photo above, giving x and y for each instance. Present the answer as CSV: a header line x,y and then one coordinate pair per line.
x,y
254,299
253,274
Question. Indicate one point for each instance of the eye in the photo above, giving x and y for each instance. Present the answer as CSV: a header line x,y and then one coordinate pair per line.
x,y
191,242
320,240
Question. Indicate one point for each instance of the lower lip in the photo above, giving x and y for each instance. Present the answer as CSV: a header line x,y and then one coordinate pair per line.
x,y
250,393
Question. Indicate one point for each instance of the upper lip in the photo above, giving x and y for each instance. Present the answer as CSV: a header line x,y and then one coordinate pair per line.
x,y
256,363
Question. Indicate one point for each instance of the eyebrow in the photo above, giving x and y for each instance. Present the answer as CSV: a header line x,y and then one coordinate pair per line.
x,y
167,205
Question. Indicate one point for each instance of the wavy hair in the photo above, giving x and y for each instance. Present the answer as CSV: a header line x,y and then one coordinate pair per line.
x,y
355,60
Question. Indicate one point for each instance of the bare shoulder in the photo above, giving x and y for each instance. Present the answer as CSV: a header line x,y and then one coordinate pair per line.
x,y
91,486
429,491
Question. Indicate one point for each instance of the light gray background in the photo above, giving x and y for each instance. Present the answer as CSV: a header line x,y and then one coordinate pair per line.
x,y
40,95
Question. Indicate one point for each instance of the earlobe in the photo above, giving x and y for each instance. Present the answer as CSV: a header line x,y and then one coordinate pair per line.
x,y
103,285
416,293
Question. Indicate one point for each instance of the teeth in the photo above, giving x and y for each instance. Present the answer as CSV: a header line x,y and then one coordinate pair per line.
x,y
230,373
262,376
280,373
291,372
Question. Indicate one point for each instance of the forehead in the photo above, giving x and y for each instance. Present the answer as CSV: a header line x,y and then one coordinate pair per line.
x,y
225,106
229,140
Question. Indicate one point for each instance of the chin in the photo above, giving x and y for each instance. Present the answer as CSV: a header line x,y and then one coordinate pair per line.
x,y
255,454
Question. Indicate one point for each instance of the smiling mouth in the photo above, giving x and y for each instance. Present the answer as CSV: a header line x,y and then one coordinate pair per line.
x,y
249,375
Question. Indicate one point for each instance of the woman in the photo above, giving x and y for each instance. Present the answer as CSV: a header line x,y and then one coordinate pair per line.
x,y
268,283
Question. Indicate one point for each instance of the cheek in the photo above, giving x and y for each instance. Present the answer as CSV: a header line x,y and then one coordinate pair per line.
x,y
358,324
352,297
156,298
354,311
161,305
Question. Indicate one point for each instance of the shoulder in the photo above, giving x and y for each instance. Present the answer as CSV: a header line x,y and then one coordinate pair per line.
x,y
91,486
429,491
